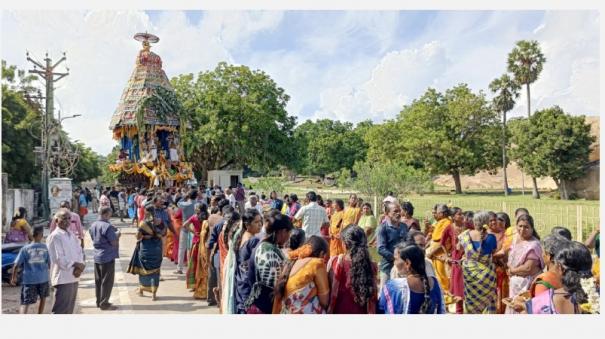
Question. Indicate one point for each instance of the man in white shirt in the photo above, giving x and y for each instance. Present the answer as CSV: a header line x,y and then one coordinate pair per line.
x,y
253,203
75,226
231,197
313,216
66,263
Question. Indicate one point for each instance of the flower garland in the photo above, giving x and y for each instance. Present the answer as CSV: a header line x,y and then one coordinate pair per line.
x,y
589,287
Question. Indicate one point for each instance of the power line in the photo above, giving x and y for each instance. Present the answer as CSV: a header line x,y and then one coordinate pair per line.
x,y
46,71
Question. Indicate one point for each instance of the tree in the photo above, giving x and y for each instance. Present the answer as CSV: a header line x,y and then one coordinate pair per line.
x,y
234,116
525,62
327,146
506,91
454,133
379,178
108,178
552,143
382,139
269,184
88,166
20,128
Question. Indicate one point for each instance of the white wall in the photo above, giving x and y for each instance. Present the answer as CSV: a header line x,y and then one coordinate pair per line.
x,y
16,198
223,178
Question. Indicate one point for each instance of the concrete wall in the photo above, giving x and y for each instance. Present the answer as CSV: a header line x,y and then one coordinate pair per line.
x,y
223,178
14,199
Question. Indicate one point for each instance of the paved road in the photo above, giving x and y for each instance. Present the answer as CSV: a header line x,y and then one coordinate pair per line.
x,y
173,296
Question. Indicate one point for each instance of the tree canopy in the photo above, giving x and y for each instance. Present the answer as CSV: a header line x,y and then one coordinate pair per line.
x,y
20,128
21,124
552,143
234,116
327,146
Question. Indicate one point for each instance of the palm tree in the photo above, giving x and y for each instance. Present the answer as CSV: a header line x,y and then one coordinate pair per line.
x,y
506,90
525,62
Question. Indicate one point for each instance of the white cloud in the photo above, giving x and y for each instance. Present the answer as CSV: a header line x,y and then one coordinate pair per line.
x,y
101,54
344,65
570,78
395,80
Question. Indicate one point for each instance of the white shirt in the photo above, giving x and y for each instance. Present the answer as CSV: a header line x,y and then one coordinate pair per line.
x,y
64,250
258,207
232,200
313,216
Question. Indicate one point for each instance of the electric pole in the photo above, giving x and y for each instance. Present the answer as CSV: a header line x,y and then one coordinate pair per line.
x,y
47,73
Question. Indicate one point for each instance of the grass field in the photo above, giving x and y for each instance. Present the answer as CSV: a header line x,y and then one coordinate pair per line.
x,y
580,216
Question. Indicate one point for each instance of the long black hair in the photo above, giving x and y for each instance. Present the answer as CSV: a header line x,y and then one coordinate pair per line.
x,y
561,231
231,224
576,262
504,218
276,222
203,215
361,277
247,218
415,255
21,213
297,238
318,246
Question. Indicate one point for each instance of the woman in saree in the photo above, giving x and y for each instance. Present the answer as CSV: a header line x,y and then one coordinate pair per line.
x,y
292,206
265,265
147,257
131,209
368,223
20,230
549,279
407,211
194,225
302,287
449,241
352,276
227,260
414,292
436,252
139,199
200,290
336,225
478,269
245,241
172,240
572,262
525,260
498,223
510,235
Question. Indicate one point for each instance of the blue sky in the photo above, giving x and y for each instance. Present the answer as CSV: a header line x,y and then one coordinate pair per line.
x,y
347,65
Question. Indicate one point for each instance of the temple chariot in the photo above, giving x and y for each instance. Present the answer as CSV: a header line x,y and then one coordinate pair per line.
x,y
147,125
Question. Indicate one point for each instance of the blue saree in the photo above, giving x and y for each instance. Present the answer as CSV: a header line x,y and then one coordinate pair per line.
x,y
147,257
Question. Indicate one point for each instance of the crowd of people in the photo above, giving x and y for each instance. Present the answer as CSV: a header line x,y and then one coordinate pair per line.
x,y
266,254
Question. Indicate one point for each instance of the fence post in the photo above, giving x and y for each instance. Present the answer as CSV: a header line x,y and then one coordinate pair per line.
x,y
376,206
579,223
